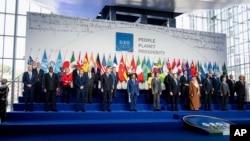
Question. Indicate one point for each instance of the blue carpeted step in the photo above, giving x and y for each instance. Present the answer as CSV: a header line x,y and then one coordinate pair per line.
x,y
125,115
88,107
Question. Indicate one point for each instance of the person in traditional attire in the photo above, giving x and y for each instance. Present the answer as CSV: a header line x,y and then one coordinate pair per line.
x,y
194,94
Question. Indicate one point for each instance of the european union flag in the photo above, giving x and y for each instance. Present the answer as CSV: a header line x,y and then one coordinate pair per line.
x,y
44,62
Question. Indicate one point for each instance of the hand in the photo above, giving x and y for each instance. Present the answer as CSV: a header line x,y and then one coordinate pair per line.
x,y
221,95
137,94
57,89
205,92
3,99
29,85
179,94
45,90
102,90
171,93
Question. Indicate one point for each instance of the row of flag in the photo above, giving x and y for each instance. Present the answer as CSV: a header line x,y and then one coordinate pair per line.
x,y
141,66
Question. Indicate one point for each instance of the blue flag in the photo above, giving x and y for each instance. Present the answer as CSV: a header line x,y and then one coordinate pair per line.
x,y
188,70
210,68
110,63
58,64
115,61
30,60
44,62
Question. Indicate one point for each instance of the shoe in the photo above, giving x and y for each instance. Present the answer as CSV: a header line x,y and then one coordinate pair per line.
x,y
131,110
109,110
83,110
55,110
77,110
176,110
135,110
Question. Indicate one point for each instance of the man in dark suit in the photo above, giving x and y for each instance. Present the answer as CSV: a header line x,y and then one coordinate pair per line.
x,y
106,89
208,91
241,92
231,84
90,85
75,72
174,92
167,83
29,80
133,91
115,80
80,83
97,72
200,82
51,85
216,86
39,73
184,88
156,91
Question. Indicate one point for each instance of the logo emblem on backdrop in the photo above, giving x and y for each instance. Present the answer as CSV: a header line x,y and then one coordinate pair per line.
x,y
124,42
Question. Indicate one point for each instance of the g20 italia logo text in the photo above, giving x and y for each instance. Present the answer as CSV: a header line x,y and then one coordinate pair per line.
x,y
124,42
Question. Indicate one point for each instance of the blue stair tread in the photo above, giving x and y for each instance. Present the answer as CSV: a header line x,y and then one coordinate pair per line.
x,y
89,122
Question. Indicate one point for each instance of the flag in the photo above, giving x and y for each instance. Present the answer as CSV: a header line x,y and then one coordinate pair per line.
x,y
115,61
179,66
72,59
224,68
92,60
154,68
215,67
85,65
127,64
149,66
79,62
193,69
184,67
98,62
127,68
210,68
201,70
174,67
140,77
160,70
110,62
133,65
145,69
121,70
169,65
159,66
58,63
188,70
44,62
164,66
30,60
205,67
104,65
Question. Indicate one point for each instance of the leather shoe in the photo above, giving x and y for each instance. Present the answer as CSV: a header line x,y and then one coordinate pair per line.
x,y
109,110
135,110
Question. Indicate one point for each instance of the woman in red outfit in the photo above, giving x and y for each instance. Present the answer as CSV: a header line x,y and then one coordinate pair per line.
x,y
66,82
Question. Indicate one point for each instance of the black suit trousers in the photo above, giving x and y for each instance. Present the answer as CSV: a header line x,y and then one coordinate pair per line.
x,y
207,101
50,97
106,100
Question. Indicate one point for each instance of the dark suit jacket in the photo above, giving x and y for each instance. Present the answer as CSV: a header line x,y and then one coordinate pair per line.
x,y
91,80
167,82
216,83
183,81
156,86
231,84
51,83
200,80
39,75
133,88
26,80
224,88
115,78
174,88
106,82
240,88
207,85
81,81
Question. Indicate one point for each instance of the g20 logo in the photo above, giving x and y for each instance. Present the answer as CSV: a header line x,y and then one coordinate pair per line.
x,y
124,42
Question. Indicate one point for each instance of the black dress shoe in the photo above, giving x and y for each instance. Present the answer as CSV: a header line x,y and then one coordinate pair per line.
x,y
176,110
83,110
135,110
109,110
55,110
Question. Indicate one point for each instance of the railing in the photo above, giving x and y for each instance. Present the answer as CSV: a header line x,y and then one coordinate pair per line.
x,y
16,90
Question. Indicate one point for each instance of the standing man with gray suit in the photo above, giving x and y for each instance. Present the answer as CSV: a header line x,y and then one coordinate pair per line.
x,y
156,91
224,89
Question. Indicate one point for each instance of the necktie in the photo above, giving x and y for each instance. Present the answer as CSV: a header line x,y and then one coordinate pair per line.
x,y
30,75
